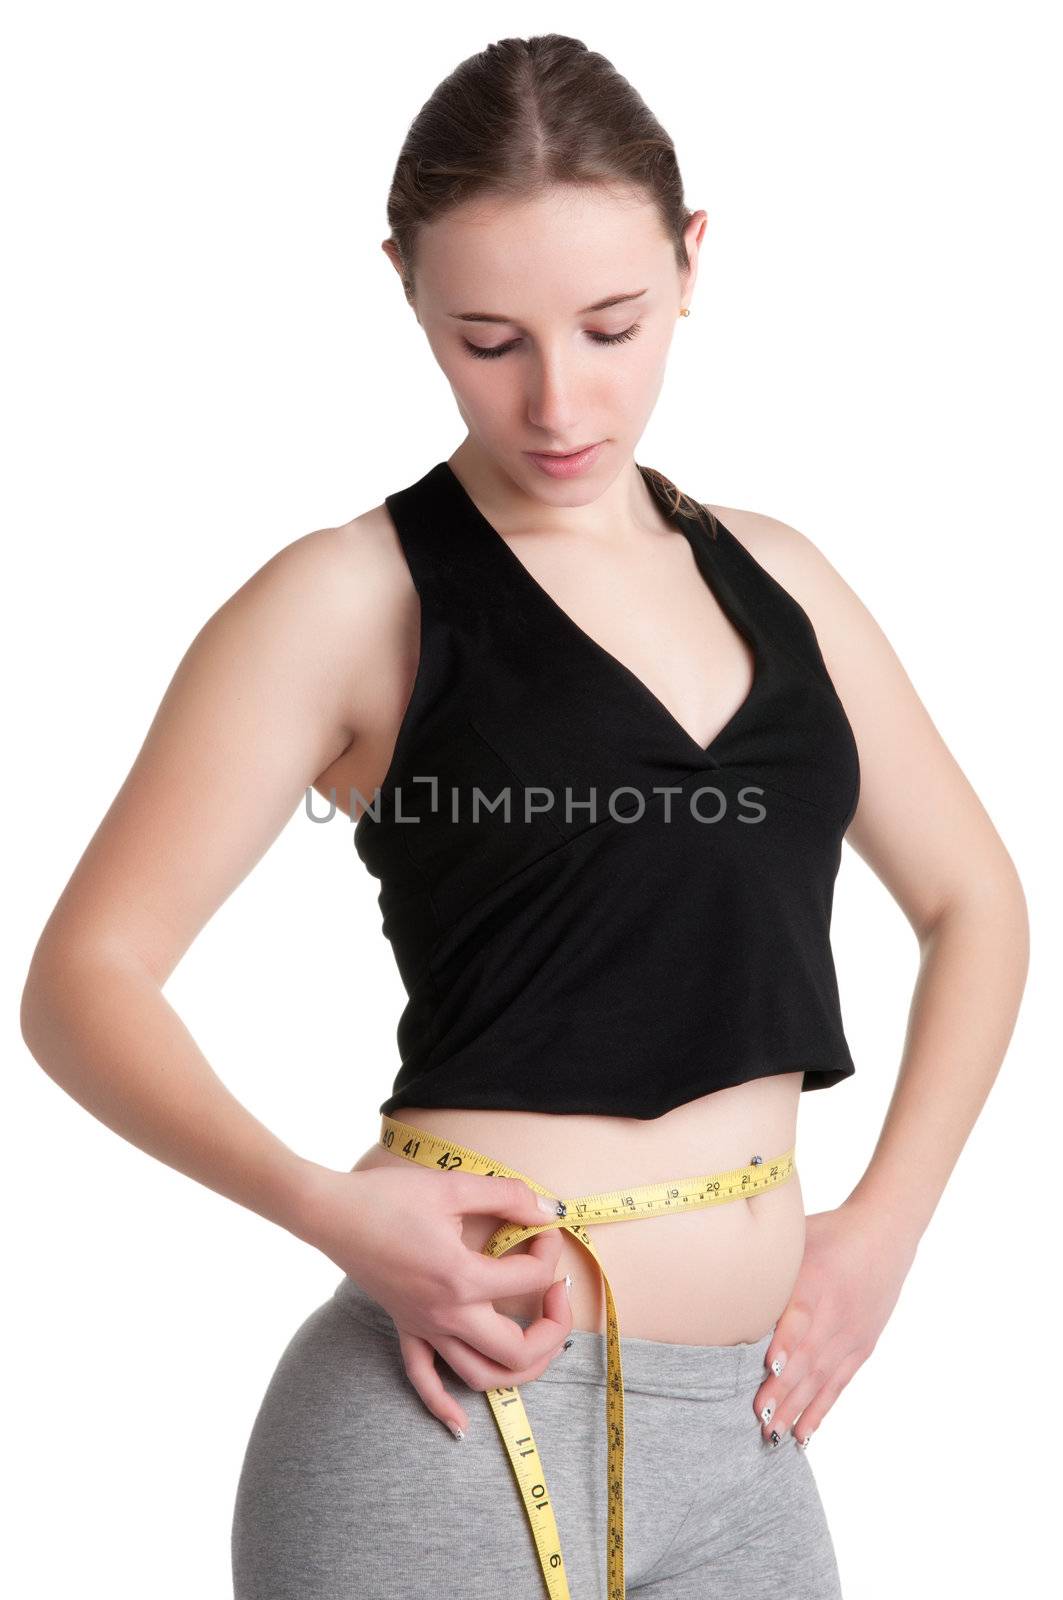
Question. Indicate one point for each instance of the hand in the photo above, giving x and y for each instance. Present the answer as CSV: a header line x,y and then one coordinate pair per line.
x,y
848,1284
418,1353
397,1233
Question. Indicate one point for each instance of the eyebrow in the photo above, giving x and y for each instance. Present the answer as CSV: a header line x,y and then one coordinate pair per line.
x,y
599,305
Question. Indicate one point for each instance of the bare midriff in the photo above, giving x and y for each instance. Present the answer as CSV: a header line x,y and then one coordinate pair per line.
x,y
722,1275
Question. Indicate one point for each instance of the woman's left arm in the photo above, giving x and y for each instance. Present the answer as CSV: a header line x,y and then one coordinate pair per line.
x,y
923,831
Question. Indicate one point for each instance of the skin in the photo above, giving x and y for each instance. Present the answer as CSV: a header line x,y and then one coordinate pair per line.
x,y
320,645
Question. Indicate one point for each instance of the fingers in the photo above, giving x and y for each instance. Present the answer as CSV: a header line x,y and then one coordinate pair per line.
x,y
504,1344
480,1373
792,1404
775,1400
787,1336
800,1397
501,1340
786,1339
813,1398
473,1368
526,1269
511,1198
420,1363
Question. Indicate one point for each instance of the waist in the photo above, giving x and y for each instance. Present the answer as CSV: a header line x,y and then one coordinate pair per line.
x,y
715,1276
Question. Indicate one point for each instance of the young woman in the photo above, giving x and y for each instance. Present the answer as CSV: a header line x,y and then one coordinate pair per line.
x,y
619,983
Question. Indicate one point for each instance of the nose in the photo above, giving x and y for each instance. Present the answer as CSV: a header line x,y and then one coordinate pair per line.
x,y
553,395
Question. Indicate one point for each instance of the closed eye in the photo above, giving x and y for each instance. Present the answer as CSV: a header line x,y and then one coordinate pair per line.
x,y
490,353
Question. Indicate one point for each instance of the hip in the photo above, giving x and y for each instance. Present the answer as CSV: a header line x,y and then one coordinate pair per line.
x,y
350,1487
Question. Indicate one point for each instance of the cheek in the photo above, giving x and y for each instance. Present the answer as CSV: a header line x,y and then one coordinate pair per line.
x,y
478,386
490,415
637,381
655,364
489,410
465,375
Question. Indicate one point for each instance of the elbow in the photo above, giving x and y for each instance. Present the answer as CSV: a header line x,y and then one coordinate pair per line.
x,y
38,995
48,984
999,894
74,983
994,898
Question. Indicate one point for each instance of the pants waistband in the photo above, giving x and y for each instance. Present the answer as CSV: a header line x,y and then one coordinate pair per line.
x,y
650,1366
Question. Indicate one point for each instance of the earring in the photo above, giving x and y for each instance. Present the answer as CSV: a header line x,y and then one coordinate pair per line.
x,y
685,312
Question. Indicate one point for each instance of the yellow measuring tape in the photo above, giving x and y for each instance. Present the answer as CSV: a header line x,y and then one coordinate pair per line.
x,y
617,1205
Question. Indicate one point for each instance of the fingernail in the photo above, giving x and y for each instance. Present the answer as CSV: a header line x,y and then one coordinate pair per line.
x,y
551,1207
568,1284
774,1438
455,1430
766,1414
778,1364
566,1346
804,1442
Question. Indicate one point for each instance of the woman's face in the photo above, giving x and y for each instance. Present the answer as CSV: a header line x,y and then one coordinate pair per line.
x,y
515,279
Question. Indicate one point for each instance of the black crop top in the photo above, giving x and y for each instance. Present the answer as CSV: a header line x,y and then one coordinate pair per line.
x,y
589,911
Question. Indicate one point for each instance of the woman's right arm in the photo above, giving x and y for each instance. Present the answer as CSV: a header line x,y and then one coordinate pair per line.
x,y
293,669
262,702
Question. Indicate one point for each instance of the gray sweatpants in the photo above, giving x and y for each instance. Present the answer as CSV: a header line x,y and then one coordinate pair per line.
x,y
351,1490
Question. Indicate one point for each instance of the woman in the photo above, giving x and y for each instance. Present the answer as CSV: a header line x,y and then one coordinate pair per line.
x,y
599,1000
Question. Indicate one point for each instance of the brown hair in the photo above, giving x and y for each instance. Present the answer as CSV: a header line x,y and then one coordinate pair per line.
x,y
518,118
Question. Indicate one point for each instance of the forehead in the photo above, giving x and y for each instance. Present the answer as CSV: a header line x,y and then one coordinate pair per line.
x,y
560,249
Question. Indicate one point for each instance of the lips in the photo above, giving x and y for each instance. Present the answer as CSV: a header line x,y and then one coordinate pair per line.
x,y
569,465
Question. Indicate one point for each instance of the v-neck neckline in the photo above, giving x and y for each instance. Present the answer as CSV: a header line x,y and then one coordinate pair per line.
x,y
714,581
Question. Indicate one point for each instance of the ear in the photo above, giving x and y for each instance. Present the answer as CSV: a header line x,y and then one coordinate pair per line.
x,y
391,251
693,237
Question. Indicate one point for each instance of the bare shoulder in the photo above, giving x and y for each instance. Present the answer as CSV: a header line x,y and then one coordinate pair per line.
x,y
845,628
368,551
851,642
338,597
370,537
336,566
784,551
371,636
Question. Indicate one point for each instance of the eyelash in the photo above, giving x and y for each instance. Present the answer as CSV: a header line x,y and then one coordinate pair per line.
x,y
483,353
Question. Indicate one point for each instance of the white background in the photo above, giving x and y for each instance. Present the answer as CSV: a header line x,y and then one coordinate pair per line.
x,y
207,355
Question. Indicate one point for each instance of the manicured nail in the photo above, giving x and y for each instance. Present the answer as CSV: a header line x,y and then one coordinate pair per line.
x,y
553,1208
774,1438
455,1430
568,1284
567,1345
766,1414
778,1364
804,1442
